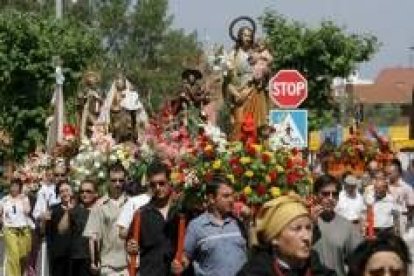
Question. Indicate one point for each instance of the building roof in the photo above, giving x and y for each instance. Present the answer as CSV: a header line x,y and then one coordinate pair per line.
x,y
392,85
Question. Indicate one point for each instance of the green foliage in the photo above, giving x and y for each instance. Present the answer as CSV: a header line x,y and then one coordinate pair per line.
x,y
383,114
320,53
28,43
143,43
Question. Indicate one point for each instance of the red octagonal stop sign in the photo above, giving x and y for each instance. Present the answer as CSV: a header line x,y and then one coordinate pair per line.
x,y
288,89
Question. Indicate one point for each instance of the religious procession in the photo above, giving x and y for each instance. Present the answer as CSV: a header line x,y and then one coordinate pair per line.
x,y
222,178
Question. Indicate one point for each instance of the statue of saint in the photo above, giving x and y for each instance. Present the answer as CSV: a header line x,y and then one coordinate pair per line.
x,y
89,102
246,79
123,112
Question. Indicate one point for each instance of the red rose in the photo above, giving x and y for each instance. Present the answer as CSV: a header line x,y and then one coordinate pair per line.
x,y
265,158
273,176
292,178
234,161
261,190
237,170
208,176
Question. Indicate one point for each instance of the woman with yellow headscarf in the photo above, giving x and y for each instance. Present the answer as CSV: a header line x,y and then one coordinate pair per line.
x,y
284,232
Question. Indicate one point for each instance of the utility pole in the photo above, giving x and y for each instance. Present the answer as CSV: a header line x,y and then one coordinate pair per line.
x,y
59,9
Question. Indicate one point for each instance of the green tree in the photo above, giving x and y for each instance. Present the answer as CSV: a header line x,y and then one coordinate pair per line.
x,y
141,40
28,43
320,53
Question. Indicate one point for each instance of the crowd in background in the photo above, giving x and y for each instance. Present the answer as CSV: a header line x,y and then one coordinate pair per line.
x,y
61,232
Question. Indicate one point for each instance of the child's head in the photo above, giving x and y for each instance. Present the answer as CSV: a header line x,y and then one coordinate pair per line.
x,y
261,44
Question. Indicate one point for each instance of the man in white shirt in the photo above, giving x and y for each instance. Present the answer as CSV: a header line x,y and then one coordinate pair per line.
x,y
350,202
402,193
127,213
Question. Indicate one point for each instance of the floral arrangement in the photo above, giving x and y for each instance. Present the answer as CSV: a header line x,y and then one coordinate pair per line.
x,y
257,173
96,155
32,172
356,151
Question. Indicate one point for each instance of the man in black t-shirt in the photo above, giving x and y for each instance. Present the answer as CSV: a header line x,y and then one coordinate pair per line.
x,y
159,226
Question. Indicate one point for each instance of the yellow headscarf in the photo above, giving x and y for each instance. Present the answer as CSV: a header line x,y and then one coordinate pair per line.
x,y
278,213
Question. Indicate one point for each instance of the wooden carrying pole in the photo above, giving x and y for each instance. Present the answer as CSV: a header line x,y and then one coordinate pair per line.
x,y
180,242
136,229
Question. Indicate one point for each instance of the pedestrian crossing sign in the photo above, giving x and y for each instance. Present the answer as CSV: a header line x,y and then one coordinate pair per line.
x,y
290,128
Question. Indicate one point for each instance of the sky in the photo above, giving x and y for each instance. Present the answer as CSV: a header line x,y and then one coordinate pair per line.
x,y
391,21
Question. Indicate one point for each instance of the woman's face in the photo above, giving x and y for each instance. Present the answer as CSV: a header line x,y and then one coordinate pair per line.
x,y
385,263
14,189
294,242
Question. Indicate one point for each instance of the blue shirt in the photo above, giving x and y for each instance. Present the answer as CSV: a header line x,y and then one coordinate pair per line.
x,y
216,250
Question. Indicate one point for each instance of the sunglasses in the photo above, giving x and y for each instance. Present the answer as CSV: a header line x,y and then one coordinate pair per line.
x,y
86,192
117,180
329,193
60,174
159,183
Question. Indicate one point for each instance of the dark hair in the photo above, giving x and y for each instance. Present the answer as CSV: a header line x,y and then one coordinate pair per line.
x,y
326,180
384,242
156,167
59,184
91,181
215,183
17,181
117,167
397,163
239,40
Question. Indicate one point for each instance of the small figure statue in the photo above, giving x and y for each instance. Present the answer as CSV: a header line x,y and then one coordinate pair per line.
x,y
123,112
89,103
192,92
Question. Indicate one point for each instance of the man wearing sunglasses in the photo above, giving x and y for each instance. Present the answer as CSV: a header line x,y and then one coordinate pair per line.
x,y
74,222
159,225
336,237
101,227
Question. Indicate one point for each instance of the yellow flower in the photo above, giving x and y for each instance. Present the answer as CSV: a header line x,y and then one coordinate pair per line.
x,y
275,191
245,160
175,176
249,173
279,169
231,178
268,179
247,190
217,164
258,147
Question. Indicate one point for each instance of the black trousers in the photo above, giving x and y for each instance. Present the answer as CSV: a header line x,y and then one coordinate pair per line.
x,y
80,267
60,266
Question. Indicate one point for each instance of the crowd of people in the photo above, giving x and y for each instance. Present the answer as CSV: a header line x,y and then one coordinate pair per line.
x,y
61,232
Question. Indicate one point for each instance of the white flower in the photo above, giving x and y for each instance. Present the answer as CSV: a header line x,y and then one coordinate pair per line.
x,y
101,174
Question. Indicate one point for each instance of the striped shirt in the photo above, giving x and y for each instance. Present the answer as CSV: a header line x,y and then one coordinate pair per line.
x,y
215,250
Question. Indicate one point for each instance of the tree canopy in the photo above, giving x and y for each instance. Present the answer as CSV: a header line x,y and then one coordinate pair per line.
x,y
320,54
28,44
